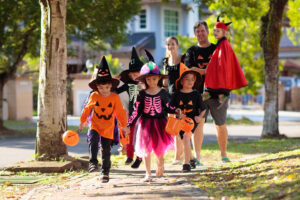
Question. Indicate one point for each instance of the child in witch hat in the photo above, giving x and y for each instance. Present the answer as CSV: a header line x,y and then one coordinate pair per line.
x,y
132,88
151,105
105,106
223,72
188,99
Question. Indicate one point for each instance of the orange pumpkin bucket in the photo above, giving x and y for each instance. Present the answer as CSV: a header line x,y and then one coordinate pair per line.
x,y
187,124
123,138
70,138
173,125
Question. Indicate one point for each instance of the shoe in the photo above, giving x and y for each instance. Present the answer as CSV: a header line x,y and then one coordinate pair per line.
x,y
206,96
128,161
176,162
105,178
186,168
198,163
225,160
193,164
147,178
221,101
136,163
93,167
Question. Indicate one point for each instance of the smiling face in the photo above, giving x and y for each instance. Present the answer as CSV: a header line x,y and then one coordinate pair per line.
x,y
104,89
172,45
201,34
188,81
152,81
219,33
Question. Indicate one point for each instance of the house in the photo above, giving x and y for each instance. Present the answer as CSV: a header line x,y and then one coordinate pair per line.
x,y
154,24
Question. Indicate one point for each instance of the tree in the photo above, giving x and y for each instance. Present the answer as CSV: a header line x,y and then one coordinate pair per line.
x,y
269,41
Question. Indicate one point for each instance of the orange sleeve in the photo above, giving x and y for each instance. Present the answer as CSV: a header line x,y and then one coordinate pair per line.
x,y
88,108
120,112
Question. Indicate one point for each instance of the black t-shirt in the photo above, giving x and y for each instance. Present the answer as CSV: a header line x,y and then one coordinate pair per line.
x,y
173,72
191,104
199,57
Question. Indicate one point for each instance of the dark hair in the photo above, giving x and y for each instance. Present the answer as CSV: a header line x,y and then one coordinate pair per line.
x,y
199,23
160,82
196,83
104,82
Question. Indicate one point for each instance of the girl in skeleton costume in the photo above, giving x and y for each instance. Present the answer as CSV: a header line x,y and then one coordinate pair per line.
x,y
151,105
132,88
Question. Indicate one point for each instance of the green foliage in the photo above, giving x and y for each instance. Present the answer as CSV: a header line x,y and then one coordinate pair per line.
x,y
114,65
294,15
185,42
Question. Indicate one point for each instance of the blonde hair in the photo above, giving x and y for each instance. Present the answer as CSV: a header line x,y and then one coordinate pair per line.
x,y
168,39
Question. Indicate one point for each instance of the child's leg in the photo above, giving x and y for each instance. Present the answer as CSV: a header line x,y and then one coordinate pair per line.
x,y
130,147
178,148
160,166
187,148
93,150
148,169
106,163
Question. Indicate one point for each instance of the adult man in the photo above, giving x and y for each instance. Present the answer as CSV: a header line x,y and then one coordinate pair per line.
x,y
197,58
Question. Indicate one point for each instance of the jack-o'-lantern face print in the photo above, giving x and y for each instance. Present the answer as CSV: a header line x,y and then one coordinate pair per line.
x,y
104,72
186,107
104,111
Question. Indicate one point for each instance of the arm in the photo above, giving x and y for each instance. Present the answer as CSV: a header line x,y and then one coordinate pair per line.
x,y
120,112
121,89
137,111
168,105
191,62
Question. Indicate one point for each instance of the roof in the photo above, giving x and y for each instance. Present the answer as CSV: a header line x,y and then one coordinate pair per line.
x,y
144,40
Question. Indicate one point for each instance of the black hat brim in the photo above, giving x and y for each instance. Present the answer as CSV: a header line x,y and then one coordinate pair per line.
x,y
125,75
113,81
142,77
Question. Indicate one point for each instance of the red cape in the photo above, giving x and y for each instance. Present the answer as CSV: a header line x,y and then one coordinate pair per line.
x,y
224,70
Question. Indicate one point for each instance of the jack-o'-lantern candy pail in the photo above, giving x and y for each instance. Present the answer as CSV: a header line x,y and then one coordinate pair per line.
x,y
173,125
187,124
70,138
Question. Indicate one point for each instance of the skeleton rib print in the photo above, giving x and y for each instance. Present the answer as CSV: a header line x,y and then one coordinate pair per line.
x,y
152,105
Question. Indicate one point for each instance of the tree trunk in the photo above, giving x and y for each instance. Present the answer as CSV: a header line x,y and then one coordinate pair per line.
x,y
52,81
1,104
270,39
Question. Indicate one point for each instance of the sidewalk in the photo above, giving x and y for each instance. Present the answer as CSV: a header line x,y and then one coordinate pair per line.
x,y
125,183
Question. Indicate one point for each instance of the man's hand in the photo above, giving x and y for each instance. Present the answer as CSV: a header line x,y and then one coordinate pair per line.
x,y
201,71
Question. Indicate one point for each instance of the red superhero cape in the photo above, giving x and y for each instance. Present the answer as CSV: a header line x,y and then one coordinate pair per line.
x,y
224,70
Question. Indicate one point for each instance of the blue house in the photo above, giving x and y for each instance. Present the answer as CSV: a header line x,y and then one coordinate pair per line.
x,y
154,24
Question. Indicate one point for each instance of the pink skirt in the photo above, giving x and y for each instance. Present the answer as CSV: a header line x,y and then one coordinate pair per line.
x,y
151,137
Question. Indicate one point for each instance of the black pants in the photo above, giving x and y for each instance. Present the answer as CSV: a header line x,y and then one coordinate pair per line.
x,y
105,148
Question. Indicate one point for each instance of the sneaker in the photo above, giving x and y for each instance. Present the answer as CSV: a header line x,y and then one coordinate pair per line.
x,y
105,178
176,162
193,164
186,168
225,160
198,163
128,161
205,96
221,101
147,178
93,167
136,163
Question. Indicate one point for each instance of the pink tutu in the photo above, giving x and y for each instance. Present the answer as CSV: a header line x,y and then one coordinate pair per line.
x,y
152,137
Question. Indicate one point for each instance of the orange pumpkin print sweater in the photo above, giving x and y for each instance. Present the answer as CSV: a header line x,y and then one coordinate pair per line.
x,y
104,111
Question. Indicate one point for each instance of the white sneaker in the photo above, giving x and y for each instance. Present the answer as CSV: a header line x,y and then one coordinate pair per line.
x,y
176,162
147,178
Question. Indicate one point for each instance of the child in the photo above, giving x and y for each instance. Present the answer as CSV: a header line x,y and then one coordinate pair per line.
x,y
132,88
151,105
223,72
188,99
105,105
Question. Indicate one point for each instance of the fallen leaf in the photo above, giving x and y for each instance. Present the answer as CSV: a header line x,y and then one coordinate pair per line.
x,y
291,176
7,183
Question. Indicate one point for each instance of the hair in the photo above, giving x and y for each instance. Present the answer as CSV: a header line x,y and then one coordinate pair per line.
x,y
171,38
200,23
159,84
196,83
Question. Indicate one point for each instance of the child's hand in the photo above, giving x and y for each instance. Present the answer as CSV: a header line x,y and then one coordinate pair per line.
x,y
126,130
80,127
197,119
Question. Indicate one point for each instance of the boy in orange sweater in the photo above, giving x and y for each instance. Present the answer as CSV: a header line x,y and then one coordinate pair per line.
x,y
105,106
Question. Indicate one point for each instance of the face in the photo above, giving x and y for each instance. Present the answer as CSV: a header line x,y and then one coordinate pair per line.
x,y
152,81
188,81
104,89
172,46
201,34
133,75
219,33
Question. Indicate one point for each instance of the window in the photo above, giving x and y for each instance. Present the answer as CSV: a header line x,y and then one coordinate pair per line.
x,y
171,23
143,19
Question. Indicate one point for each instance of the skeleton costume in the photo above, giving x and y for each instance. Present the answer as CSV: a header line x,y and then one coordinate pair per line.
x,y
149,115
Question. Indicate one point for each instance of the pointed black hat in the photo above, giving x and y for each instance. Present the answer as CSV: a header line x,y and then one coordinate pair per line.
x,y
135,65
103,76
149,55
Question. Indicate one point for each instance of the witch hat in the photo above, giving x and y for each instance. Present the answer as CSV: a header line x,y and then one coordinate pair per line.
x,y
135,65
222,25
183,70
103,76
149,55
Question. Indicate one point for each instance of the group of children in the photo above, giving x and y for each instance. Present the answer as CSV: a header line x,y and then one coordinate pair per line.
x,y
146,120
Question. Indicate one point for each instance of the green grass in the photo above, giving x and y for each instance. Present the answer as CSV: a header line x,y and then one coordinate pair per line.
x,y
273,175
231,121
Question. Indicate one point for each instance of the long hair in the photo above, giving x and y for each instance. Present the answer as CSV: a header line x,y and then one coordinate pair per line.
x,y
170,38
